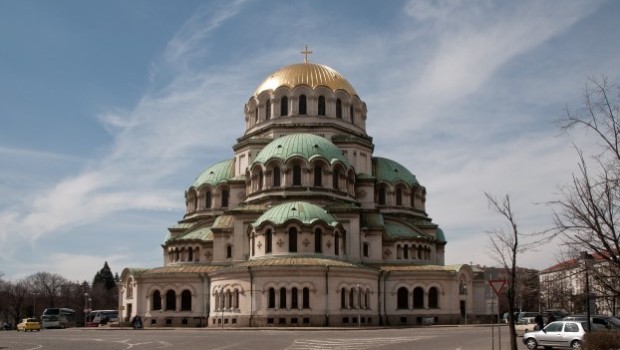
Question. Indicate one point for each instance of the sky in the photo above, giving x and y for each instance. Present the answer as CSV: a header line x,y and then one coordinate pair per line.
x,y
110,110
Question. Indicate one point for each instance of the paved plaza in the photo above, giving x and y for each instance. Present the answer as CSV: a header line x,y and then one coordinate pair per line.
x,y
436,338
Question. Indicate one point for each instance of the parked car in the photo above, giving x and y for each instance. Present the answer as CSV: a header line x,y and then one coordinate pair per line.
x,y
523,314
558,314
29,324
558,334
609,322
524,325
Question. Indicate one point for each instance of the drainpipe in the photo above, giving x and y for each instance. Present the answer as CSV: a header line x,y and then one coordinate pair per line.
x,y
379,303
251,294
326,295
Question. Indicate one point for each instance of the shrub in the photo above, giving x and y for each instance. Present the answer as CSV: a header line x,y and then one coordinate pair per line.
x,y
602,340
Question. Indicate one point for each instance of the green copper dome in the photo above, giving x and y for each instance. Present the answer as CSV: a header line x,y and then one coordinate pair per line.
x,y
390,171
305,212
440,236
307,146
216,173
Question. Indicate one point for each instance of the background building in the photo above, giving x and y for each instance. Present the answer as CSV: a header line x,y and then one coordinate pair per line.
x,y
562,286
303,225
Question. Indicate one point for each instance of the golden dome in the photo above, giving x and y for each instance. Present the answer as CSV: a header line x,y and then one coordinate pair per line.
x,y
310,74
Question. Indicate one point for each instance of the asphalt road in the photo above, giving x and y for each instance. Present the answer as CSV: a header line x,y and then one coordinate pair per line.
x,y
435,338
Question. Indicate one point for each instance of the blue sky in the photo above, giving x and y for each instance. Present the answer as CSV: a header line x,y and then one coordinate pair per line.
x,y
110,110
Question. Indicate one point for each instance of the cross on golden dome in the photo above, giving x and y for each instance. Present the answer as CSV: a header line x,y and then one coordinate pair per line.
x,y
306,53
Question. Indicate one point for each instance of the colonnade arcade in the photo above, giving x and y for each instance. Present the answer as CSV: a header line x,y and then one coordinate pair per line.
x,y
295,238
298,172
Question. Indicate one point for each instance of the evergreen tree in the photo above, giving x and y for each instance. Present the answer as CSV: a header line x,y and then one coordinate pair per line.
x,y
105,277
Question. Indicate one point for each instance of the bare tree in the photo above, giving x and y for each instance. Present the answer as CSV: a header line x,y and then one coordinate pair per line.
x,y
586,217
47,286
505,248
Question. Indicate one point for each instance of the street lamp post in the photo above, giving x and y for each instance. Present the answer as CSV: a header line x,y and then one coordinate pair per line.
x,y
85,308
34,304
586,258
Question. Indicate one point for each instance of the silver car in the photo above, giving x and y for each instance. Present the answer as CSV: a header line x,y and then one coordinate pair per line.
x,y
559,334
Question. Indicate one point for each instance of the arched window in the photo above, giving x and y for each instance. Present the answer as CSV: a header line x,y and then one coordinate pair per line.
x,y
306,298
268,110
318,241
433,298
419,252
228,299
338,109
256,115
343,296
382,200
399,252
156,301
351,299
253,244
344,242
403,298
260,180
268,240
336,179
284,106
292,240
352,114
190,255
276,177
228,251
271,303
296,175
171,300
294,304
282,298
366,248
406,252
399,196
337,244
321,105
225,199
186,300
235,299
302,105
208,199
418,298
318,176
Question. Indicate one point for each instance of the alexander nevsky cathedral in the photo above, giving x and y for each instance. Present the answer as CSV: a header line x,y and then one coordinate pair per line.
x,y
303,226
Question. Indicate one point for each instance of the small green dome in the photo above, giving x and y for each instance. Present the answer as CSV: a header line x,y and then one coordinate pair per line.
x,y
390,171
216,173
305,212
307,146
440,236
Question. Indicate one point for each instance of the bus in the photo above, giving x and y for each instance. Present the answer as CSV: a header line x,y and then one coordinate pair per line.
x,y
58,318
101,317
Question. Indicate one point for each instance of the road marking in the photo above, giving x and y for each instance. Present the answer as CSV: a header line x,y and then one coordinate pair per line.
x,y
353,344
